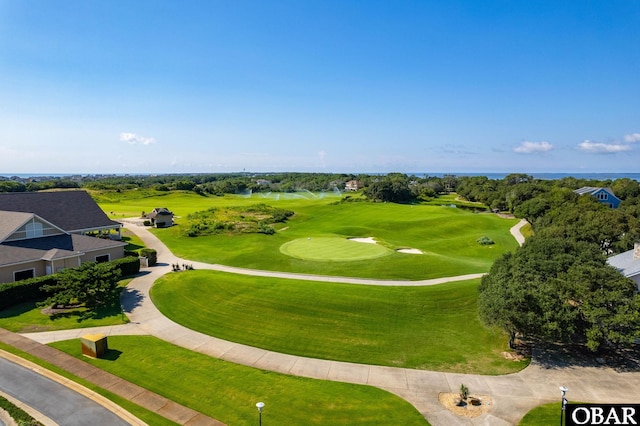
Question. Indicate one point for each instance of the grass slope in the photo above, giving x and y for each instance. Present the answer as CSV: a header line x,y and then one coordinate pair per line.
x,y
229,392
434,328
446,235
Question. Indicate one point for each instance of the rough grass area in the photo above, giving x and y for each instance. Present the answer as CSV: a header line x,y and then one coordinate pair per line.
x,y
332,249
257,218
229,392
433,328
20,416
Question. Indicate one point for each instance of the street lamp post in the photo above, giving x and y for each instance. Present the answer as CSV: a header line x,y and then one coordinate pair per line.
x,y
260,406
563,390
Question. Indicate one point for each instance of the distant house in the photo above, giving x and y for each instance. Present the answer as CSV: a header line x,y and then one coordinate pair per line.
x,y
44,232
603,195
353,185
628,263
263,182
160,217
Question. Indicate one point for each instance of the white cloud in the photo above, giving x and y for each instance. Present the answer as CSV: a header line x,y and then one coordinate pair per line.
x,y
527,147
602,148
632,138
132,139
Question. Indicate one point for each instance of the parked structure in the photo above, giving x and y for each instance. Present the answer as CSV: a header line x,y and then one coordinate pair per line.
x,y
160,217
44,232
603,195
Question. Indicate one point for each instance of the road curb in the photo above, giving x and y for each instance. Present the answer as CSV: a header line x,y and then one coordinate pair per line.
x,y
88,393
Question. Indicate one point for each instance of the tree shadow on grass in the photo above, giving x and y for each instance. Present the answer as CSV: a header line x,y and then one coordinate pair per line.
x,y
555,355
17,310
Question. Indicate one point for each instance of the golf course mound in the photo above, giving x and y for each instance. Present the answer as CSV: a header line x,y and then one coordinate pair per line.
x,y
335,249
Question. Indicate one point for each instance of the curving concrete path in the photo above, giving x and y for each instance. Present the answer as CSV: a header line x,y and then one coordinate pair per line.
x,y
513,395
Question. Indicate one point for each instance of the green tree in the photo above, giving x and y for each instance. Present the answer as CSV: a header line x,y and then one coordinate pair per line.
x,y
92,284
559,289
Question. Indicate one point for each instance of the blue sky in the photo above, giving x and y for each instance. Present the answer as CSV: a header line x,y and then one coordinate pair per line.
x,y
323,86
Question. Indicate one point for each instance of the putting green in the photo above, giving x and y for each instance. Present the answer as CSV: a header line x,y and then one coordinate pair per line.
x,y
332,249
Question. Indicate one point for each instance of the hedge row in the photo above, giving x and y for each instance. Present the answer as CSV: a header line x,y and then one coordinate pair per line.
x,y
31,289
24,291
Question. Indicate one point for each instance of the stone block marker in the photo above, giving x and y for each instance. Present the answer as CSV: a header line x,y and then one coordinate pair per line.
x,y
94,345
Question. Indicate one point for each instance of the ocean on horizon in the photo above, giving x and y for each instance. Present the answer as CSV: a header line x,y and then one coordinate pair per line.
x,y
493,176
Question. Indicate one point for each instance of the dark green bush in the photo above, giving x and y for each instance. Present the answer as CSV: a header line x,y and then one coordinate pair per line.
x,y
128,265
150,254
24,291
485,241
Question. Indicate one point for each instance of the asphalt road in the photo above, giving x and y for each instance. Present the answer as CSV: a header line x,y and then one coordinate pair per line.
x,y
59,403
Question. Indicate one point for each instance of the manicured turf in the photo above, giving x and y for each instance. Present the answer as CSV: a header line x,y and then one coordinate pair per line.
x,y
543,415
434,328
29,318
446,235
332,249
229,392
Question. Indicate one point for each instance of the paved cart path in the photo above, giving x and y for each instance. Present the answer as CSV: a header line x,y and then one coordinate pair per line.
x,y
513,395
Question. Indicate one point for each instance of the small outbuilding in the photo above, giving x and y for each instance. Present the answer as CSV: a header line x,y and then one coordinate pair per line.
x,y
160,217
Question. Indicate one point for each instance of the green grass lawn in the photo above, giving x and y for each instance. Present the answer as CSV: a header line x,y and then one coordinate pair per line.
x,y
447,236
332,249
29,318
543,415
434,328
229,392
143,414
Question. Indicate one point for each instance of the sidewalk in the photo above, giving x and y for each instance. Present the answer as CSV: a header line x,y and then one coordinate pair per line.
x,y
132,392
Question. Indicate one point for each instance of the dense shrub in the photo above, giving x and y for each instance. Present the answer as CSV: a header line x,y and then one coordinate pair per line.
x,y
128,265
23,291
485,241
150,254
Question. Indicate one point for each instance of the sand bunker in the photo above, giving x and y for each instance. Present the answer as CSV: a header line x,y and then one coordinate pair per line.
x,y
368,240
410,251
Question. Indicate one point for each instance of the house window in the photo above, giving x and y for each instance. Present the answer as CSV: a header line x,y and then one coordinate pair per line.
x,y
602,196
34,230
102,259
24,275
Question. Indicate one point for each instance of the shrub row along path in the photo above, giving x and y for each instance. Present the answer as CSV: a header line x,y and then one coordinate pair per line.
x,y
512,395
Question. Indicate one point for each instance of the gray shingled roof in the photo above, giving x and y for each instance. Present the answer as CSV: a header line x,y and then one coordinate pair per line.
x,y
54,247
73,211
626,263
10,222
